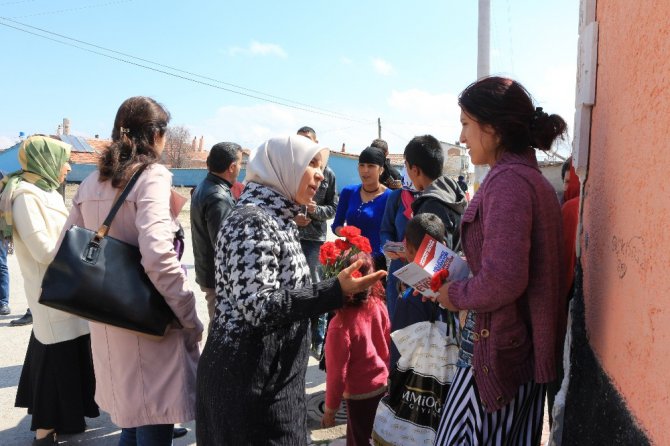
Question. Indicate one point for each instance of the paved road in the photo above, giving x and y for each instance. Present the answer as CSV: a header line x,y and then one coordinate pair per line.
x,y
15,423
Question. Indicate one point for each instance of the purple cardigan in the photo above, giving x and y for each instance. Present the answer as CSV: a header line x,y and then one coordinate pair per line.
x,y
511,234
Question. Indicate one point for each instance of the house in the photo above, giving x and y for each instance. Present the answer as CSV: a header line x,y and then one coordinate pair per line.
x,y
618,386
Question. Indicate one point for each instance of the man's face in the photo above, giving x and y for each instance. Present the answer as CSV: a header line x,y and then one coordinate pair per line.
x,y
237,165
309,135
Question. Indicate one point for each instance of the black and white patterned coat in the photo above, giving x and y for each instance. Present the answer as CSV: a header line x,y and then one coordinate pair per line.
x,y
251,376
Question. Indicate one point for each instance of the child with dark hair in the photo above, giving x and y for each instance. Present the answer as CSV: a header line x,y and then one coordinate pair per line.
x,y
357,355
411,309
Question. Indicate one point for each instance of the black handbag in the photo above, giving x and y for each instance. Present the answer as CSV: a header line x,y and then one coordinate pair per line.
x,y
101,279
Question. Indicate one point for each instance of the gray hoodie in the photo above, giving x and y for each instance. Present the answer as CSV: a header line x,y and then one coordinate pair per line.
x,y
445,199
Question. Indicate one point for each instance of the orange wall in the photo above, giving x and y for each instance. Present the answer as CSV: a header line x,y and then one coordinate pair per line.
x,y
626,239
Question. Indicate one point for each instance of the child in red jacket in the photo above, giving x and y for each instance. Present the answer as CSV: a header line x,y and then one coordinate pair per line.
x,y
357,357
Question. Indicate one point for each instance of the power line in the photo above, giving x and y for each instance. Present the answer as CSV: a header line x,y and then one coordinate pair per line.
x,y
58,11
16,2
274,99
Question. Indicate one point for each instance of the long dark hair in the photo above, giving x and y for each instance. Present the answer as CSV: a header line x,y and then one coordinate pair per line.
x,y
137,124
506,105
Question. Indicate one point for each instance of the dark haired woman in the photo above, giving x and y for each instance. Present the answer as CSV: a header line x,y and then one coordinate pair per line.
x,y
145,384
362,205
357,357
511,235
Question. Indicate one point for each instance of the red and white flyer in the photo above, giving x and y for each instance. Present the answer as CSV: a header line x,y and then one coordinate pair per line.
x,y
431,257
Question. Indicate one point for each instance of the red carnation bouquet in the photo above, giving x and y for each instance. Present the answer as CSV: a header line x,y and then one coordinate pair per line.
x,y
335,255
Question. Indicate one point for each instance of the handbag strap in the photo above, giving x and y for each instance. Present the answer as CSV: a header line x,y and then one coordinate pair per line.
x,y
104,228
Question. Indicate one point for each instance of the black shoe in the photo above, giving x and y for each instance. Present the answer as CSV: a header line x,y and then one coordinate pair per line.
x,y
49,439
4,310
26,319
179,432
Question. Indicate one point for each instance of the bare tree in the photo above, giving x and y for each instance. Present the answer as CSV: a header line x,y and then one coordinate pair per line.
x,y
178,147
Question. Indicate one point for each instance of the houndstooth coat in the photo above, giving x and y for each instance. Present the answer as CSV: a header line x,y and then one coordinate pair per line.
x,y
251,376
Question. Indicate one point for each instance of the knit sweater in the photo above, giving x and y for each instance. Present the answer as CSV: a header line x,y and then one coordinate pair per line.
x,y
357,352
511,234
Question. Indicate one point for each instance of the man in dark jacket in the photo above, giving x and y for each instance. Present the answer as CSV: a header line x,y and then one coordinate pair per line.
x,y
440,195
313,229
390,177
211,203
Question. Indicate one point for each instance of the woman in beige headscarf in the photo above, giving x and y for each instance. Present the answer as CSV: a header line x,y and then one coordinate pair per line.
x,y
251,376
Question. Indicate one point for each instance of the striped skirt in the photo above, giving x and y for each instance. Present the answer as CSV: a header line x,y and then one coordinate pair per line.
x,y
465,423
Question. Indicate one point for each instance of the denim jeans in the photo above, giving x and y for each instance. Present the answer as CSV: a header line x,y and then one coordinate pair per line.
x,y
151,435
311,250
4,276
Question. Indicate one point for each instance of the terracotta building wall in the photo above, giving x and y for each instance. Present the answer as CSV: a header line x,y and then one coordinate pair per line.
x,y
626,238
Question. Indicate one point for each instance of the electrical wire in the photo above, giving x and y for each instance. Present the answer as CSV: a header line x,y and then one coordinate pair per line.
x,y
71,9
273,99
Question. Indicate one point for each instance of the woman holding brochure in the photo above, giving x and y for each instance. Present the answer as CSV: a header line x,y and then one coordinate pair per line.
x,y
511,235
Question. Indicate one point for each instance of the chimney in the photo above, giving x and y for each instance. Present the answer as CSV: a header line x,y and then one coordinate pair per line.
x,y
97,136
66,126
193,144
58,129
202,143
343,149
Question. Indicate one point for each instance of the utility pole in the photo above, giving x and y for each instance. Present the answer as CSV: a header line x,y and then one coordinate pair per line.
x,y
379,128
484,39
483,65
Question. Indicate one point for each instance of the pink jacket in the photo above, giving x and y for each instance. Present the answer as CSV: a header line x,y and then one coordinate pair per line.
x,y
357,352
139,380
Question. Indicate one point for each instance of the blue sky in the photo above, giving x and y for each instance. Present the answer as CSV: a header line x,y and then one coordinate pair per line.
x,y
404,63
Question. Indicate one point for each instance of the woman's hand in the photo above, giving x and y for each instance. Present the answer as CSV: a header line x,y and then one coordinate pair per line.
x,y
443,298
351,285
328,419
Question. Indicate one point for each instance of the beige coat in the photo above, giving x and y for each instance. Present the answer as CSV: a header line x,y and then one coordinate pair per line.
x,y
139,380
39,217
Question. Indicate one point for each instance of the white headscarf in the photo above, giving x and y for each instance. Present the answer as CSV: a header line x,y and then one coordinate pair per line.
x,y
279,163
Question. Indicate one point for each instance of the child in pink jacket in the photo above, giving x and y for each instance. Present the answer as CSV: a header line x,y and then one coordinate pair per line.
x,y
357,358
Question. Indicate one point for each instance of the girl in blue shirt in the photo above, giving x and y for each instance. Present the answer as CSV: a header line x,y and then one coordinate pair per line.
x,y
362,205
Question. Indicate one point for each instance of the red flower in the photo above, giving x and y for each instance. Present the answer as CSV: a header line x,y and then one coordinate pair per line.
x,y
350,232
362,243
328,253
356,274
438,279
342,245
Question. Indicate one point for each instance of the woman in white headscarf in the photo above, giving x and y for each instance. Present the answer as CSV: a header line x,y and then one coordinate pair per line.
x,y
251,376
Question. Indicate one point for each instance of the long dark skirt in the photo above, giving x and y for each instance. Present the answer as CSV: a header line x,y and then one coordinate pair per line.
x,y
57,385
252,391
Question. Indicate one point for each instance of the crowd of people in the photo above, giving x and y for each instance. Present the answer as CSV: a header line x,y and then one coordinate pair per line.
x,y
256,254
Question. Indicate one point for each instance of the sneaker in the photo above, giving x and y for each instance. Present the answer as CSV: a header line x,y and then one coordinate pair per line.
x,y
4,310
26,319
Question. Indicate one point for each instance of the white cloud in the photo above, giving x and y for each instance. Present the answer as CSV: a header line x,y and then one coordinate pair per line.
x,y
382,67
259,49
345,60
404,115
425,112
7,141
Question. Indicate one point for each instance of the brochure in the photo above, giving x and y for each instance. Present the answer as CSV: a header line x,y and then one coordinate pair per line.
x,y
431,257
